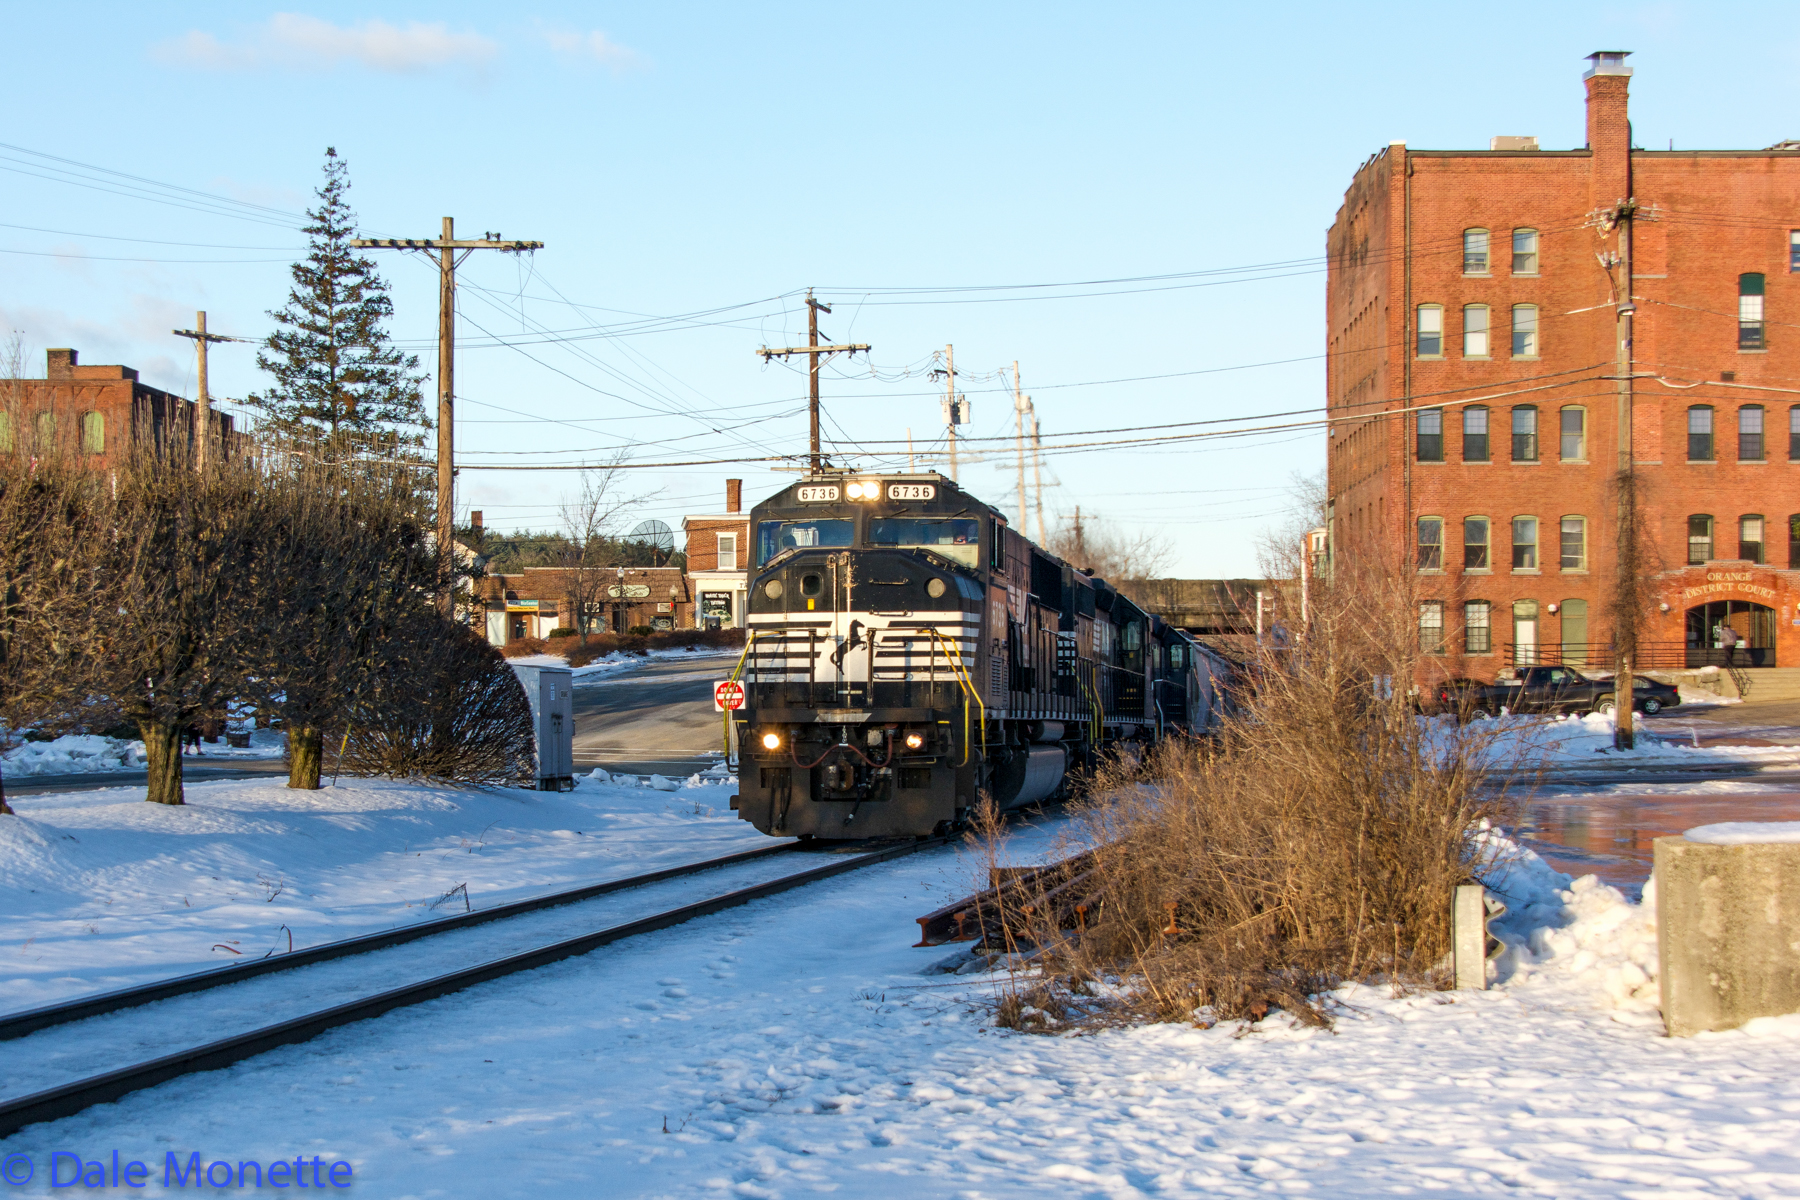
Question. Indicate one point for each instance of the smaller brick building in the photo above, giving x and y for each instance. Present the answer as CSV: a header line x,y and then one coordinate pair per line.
x,y
718,559
535,601
97,412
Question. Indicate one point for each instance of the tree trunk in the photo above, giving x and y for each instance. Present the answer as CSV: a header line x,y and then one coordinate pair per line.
x,y
162,746
306,753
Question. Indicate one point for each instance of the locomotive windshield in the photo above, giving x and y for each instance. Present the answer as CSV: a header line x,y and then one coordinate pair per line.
x,y
956,538
772,537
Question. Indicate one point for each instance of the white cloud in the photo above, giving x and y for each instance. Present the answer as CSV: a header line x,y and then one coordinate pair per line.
x,y
300,42
592,47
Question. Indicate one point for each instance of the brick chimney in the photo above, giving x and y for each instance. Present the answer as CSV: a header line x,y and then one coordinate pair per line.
x,y
475,520
59,364
1608,127
734,495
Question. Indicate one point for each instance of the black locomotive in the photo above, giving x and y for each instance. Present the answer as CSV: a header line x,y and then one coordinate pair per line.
x,y
907,651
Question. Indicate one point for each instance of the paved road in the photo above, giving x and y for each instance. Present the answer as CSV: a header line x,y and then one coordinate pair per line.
x,y
653,719
192,771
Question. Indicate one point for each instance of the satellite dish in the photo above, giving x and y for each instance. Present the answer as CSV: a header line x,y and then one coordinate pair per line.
x,y
654,534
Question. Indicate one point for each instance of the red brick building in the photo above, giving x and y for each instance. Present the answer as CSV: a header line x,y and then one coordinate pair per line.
x,y
1476,303
96,412
537,600
718,560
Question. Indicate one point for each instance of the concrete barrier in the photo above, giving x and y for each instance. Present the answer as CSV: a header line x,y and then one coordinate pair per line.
x,y
1728,925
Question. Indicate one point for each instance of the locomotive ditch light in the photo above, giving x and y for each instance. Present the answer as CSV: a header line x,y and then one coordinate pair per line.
x,y
863,489
915,741
771,740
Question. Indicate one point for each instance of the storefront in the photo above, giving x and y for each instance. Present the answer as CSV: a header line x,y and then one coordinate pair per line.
x,y
1727,614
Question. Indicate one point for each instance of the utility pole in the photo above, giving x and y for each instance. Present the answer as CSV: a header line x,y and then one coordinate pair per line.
x,y
812,350
448,260
203,405
1019,439
1625,616
956,409
1080,542
910,469
1037,478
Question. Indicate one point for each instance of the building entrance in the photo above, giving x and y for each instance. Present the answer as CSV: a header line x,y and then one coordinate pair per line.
x,y
1754,625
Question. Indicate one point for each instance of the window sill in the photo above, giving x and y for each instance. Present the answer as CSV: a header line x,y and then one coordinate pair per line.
x,y
1431,570
1764,350
1527,571
1482,462
1478,358
1751,462
1478,570
1574,462
1478,274
1526,357
1701,462
1527,462
1478,654
1573,571
1535,274
1429,357
1430,462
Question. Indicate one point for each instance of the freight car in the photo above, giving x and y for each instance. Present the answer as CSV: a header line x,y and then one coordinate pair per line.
x,y
907,652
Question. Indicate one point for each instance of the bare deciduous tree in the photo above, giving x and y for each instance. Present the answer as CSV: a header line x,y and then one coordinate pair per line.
x,y
591,516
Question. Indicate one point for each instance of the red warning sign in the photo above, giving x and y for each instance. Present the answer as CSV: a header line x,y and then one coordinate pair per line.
x,y
728,694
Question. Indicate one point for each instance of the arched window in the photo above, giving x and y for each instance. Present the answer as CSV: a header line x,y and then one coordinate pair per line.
x,y
1750,537
1700,539
1575,633
1524,331
1431,627
1700,433
1431,543
1478,627
1525,544
1475,252
1525,632
1750,311
46,430
1431,331
1431,435
1525,252
1525,433
1476,533
1475,331
1574,434
1475,433
1750,433
1574,544
93,433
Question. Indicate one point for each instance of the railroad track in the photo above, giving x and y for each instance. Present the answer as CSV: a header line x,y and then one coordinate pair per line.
x,y
70,1098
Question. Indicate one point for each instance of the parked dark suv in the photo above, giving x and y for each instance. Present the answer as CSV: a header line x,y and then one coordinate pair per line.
x,y
1557,690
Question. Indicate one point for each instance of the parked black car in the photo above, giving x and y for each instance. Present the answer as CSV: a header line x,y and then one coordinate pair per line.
x,y
1555,690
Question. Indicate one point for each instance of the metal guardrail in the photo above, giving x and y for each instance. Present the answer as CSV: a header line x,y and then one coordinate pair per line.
x,y
1651,656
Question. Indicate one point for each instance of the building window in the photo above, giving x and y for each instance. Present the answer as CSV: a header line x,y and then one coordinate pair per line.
x,y
93,433
1475,543
728,560
1794,433
1750,433
1700,433
1478,627
1524,331
1431,331
1575,633
1574,435
1475,433
1431,627
1524,433
1431,435
1524,543
1794,249
46,430
1750,538
1475,252
1431,543
1525,252
1475,331
1700,540
1794,542
1750,311
6,433
1574,543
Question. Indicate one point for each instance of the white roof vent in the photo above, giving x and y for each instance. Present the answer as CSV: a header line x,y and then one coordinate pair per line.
x,y
1504,142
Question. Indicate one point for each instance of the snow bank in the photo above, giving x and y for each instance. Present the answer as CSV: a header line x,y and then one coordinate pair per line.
x,y
1745,833
84,753
1587,740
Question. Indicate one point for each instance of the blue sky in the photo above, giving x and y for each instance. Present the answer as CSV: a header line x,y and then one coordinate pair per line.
x,y
719,159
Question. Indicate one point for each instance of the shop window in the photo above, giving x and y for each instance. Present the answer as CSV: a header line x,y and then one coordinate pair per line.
x,y
1431,627
1750,311
1700,433
1525,433
1524,543
1524,331
1475,331
1700,539
1750,433
1475,252
1431,435
1431,331
1574,434
1750,538
1478,627
1431,543
1525,252
1476,532
1475,433
1574,544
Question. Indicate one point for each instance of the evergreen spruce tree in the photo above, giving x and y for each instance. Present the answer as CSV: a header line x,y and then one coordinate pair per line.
x,y
336,377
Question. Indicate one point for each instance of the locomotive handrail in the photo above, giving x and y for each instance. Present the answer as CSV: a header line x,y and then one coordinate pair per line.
x,y
1093,700
750,637
954,656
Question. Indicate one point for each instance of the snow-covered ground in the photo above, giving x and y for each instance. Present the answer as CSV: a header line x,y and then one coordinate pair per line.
x,y
802,1046
80,753
619,660
1587,741
104,890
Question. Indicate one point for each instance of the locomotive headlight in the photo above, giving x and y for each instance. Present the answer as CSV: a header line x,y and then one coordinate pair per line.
x,y
771,740
863,489
915,741
854,490
935,588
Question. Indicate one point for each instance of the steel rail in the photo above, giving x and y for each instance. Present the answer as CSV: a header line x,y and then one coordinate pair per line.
x,y
31,1020
69,1099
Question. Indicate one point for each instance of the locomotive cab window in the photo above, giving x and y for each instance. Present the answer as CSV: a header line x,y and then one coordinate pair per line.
x,y
956,538
775,537
997,554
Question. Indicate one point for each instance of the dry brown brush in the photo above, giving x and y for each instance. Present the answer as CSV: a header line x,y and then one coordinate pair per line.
x,y
1317,838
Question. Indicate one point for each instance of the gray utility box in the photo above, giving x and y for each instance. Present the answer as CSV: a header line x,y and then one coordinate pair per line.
x,y
551,692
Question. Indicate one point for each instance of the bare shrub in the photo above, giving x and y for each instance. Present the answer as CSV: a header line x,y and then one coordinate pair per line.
x,y
447,708
1317,838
